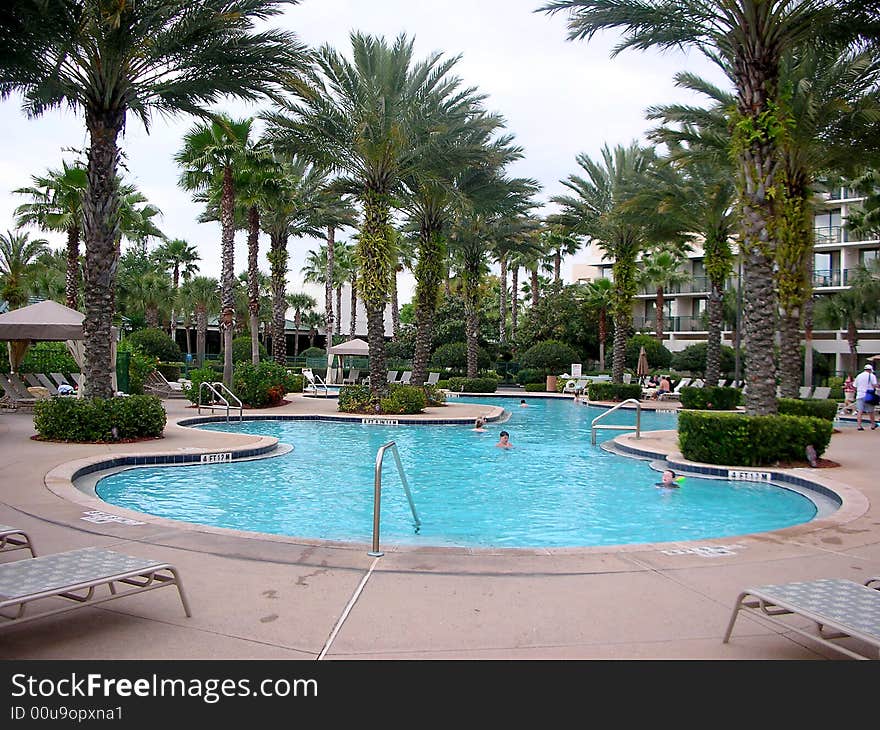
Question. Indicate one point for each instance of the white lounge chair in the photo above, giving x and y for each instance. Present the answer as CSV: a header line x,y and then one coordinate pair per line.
x,y
392,376
433,378
805,392
78,575
13,538
850,610
821,392
405,378
314,383
352,378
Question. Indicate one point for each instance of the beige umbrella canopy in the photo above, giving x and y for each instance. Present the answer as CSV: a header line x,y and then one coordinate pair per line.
x,y
642,369
355,346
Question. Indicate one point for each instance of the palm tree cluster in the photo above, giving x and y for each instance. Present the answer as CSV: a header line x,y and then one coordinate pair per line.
x,y
804,104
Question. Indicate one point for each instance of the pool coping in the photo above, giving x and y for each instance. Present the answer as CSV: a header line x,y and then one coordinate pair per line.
x,y
61,481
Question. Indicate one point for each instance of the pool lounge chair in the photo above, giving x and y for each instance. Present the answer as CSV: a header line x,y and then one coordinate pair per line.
x,y
79,576
822,392
314,384
676,391
60,379
13,538
805,392
433,378
352,378
405,378
16,395
392,376
848,609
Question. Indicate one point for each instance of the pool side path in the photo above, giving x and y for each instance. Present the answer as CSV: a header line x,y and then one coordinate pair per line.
x,y
269,597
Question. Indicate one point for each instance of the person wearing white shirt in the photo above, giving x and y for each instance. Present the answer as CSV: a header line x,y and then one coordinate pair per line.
x,y
865,381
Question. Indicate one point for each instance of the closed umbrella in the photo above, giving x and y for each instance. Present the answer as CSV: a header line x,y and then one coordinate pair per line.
x,y
642,369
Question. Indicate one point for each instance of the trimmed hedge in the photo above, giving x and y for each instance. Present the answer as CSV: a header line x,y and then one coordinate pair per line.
x,y
262,385
536,387
826,409
710,398
197,377
614,391
472,385
99,420
735,439
355,399
404,400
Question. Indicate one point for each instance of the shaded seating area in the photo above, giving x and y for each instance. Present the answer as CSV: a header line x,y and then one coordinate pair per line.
x,y
29,588
839,610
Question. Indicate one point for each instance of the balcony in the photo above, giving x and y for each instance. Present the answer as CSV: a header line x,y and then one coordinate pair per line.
x,y
672,324
829,234
696,285
833,277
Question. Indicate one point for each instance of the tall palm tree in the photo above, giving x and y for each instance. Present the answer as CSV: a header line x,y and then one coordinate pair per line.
x,y
182,259
315,271
599,297
558,242
57,205
370,118
150,294
300,303
347,268
203,293
663,270
747,38
109,59
596,210
18,259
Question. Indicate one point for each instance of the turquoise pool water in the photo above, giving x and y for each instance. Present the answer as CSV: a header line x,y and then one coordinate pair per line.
x,y
553,489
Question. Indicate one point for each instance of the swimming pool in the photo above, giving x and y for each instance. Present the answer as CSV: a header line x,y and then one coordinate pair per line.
x,y
553,489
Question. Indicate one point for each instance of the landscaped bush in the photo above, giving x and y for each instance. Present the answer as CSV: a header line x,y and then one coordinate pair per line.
x,y
44,357
692,359
171,370
196,377
826,409
535,387
710,398
157,343
530,375
139,367
550,357
404,399
355,399
241,350
738,440
453,355
434,396
472,385
261,385
614,391
98,420
313,352
659,356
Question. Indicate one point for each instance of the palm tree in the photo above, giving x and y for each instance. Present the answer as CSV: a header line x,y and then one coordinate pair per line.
x,y
347,268
596,210
315,271
149,294
663,271
371,118
599,297
57,205
299,303
212,151
203,293
18,258
559,242
181,258
747,38
110,59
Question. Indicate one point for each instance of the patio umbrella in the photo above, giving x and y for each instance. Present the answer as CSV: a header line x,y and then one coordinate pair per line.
x,y
642,369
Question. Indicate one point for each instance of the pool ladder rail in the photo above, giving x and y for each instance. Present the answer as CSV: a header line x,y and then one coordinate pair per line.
x,y
597,421
220,398
377,494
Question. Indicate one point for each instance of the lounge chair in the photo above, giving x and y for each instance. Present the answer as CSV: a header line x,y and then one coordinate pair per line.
x,y
822,392
12,538
698,383
627,378
353,377
60,379
392,376
16,396
721,382
851,610
314,383
44,380
405,378
433,378
78,575
805,392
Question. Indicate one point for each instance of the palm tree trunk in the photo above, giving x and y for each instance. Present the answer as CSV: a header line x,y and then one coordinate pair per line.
x,y
253,279
428,272
152,316
395,309
472,324
808,339
659,314
603,336
227,279
715,310
853,341
329,316
375,254
557,265
71,284
278,273
536,295
618,358
789,354
201,335
186,329
514,299
101,229
297,321
502,303
339,309
352,326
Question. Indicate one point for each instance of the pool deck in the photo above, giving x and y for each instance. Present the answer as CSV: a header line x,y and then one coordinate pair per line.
x,y
267,597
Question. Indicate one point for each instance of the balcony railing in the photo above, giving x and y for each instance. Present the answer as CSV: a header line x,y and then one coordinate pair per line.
x,y
698,284
833,277
672,324
829,234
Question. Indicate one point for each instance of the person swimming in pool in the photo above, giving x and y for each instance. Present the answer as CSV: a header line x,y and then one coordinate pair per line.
x,y
523,404
504,441
478,425
670,480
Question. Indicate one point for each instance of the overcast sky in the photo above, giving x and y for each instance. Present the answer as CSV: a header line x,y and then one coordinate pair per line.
x,y
560,98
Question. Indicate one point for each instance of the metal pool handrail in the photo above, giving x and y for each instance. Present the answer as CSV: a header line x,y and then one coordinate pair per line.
x,y
637,428
377,494
217,389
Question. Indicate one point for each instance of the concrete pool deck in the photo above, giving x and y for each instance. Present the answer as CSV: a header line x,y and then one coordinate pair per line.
x,y
266,597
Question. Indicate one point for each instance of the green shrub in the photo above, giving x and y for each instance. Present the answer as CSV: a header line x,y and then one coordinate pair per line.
x,y
692,359
314,352
139,367
355,399
241,350
261,385
614,391
835,382
735,439
535,387
711,398
659,356
550,357
453,355
443,384
157,343
171,370
98,420
196,377
472,385
826,409
530,375
295,382
404,399
433,395
44,357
